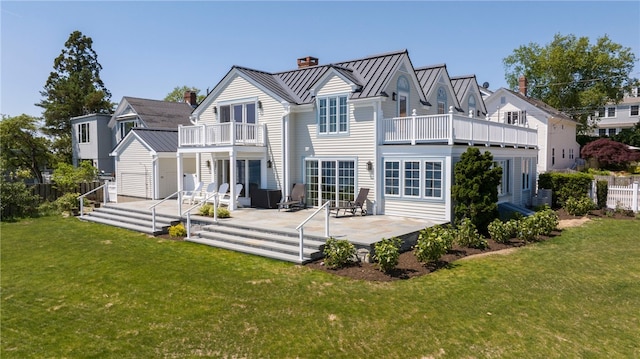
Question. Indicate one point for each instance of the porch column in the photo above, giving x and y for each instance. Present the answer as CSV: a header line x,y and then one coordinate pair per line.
x,y
155,182
180,173
286,173
232,180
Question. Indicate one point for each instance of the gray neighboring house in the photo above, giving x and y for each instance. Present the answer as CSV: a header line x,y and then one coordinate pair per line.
x,y
613,118
90,142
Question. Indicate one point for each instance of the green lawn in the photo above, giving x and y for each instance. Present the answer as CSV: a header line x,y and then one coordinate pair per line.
x,y
77,290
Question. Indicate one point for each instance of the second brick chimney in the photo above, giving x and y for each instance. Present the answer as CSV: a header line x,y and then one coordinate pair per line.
x,y
307,61
190,98
522,84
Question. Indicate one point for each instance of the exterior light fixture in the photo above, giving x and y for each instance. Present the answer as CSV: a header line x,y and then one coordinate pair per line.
x,y
394,96
369,166
269,164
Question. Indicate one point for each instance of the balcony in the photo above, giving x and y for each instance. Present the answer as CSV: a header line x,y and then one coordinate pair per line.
x,y
222,134
455,129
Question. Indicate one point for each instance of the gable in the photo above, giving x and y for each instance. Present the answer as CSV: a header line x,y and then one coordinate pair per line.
x,y
332,84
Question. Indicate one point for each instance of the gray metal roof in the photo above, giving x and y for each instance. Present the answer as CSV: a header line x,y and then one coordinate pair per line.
x,y
428,76
158,139
161,114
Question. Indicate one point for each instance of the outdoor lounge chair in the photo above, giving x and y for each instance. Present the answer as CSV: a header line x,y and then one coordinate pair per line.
x,y
208,193
222,190
295,199
225,198
353,206
190,195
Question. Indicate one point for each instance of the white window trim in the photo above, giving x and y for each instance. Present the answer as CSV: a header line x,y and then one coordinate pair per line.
x,y
348,111
85,131
637,110
421,171
332,159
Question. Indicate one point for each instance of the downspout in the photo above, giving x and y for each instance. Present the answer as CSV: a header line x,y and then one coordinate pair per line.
x,y
155,176
377,114
285,149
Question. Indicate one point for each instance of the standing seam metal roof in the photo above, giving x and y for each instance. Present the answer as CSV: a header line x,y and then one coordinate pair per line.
x,y
158,139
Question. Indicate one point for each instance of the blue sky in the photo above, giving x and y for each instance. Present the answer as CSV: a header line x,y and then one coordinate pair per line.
x,y
147,48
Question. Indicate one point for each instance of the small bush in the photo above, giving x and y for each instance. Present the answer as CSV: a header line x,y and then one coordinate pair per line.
x,y
178,231
205,209
578,206
433,243
544,222
16,200
500,231
468,236
388,253
602,192
68,202
338,253
222,212
527,229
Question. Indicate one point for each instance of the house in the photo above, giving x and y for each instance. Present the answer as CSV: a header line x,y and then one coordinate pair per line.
x,y
375,122
557,146
89,142
614,118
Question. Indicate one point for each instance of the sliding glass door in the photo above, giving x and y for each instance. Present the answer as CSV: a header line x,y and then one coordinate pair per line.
x,y
329,180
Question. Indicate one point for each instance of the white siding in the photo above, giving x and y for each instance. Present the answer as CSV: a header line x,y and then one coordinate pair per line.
x,y
333,85
390,107
135,171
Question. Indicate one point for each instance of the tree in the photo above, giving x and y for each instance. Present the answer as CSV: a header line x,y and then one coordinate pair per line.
x,y
475,192
67,177
22,147
573,75
610,154
629,136
177,95
74,88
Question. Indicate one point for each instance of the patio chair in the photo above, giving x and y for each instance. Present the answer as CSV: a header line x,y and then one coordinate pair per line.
x,y
225,197
208,193
222,190
295,199
190,195
353,206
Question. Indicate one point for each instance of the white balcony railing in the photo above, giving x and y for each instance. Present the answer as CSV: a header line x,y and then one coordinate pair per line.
x,y
452,128
222,134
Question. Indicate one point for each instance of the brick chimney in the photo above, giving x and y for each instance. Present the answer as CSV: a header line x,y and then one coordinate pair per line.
x,y
307,61
190,98
522,84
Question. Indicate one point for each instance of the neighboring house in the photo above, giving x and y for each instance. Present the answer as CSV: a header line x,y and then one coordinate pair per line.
x,y
614,118
375,122
557,146
89,142
146,164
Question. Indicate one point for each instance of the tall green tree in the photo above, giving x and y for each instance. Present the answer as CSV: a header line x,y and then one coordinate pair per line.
x,y
177,95
573,75
475,192
74,88
22,147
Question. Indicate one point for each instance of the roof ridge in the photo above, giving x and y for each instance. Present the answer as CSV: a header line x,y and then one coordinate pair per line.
x,y
430,66
462,77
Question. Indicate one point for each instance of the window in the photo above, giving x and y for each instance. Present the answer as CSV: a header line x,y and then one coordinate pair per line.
x,y
403,96
442,100
515,117
472,104
601,112
83,133
553,156
571,153
418,179
433,179
247,173
125,126
392,178
526,173
634,110
240,113
563,153
412,178
611,112
602,132
333,115
505,182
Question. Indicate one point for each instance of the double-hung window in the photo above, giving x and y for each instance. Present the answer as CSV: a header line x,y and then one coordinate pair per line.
x,y
634,110
413,178
442,100
333,115
83,133
505,182
526,173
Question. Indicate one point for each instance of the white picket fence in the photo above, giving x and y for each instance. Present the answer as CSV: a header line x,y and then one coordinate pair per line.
x,y
622,197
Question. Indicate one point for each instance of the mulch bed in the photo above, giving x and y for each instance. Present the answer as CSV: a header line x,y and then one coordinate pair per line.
x,y
409,267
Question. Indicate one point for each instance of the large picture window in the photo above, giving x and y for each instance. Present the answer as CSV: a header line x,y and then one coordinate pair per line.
x,y
418,179
333,116
329,180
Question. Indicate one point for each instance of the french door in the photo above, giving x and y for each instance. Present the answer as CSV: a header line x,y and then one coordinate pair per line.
x,y
329,180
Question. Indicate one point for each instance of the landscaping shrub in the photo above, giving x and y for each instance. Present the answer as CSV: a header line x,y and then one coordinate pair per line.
x,y
467,235
68,202
16,200
565,185
500,231
544,222
178,231
388,253
475,191
578,206
207,210
433,243
527,229
610,154
338,253
602,192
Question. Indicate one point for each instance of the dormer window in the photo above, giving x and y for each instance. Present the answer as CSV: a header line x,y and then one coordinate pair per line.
x,y
472,104
125,126
403,96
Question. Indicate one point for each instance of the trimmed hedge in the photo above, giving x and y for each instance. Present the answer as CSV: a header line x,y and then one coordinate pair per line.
x,y
565,185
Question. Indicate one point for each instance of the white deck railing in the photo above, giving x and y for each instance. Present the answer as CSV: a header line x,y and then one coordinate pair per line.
x,y
452,128
222,134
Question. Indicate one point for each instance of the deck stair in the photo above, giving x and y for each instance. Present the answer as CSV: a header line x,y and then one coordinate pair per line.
x,y
282,245
130,218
